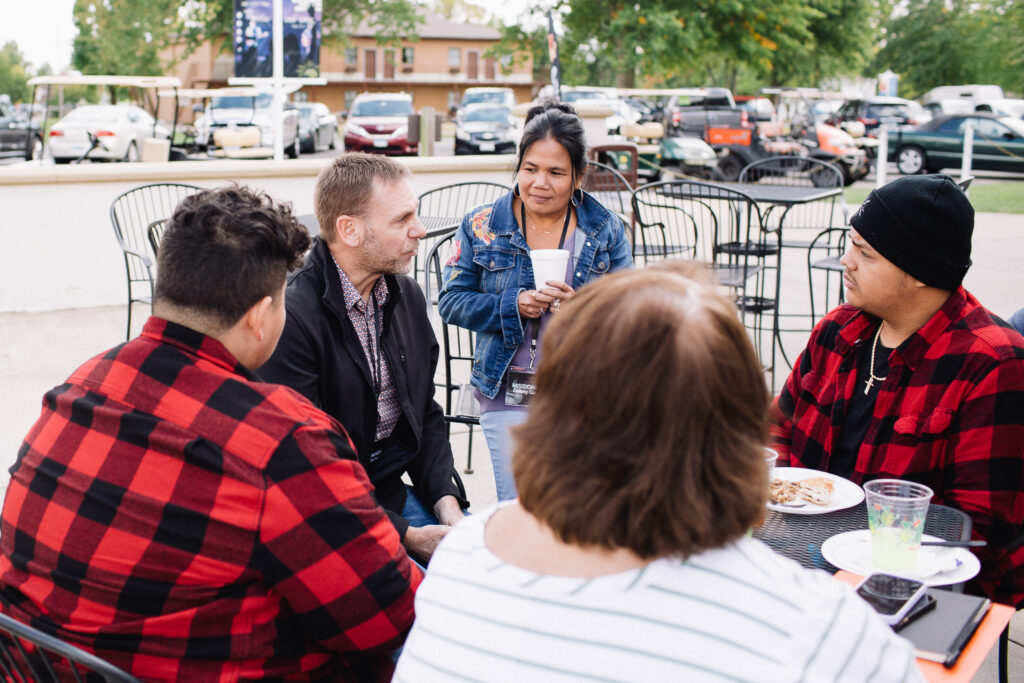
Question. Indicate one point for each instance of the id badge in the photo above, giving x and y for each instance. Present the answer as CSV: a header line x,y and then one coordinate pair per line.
x,y
521,386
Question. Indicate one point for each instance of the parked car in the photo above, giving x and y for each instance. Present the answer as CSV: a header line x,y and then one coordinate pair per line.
x,y
18,138
379,122
118,131
1005,107
504,97
949,106
870,111
249,110
485,129
938,144
318,127
693,112
757,108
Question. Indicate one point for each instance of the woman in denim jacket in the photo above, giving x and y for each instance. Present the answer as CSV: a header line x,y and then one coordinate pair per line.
x,y
489,284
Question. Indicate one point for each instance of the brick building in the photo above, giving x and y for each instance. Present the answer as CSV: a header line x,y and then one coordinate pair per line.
x,y
435,70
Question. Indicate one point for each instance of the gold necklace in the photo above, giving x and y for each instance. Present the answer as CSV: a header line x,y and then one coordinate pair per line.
x,y
871,368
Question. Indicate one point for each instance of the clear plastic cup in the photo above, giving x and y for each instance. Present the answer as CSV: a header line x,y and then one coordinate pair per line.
x,y
548,264
896,515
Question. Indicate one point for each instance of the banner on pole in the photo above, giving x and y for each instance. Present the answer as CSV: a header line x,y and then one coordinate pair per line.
x,y
253,25
556,66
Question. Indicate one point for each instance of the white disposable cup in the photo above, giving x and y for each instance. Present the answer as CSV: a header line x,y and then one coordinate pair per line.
x,y
770,456
548,264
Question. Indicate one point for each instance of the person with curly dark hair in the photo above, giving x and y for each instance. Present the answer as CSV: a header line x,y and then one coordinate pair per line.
x,y
489,278
181,518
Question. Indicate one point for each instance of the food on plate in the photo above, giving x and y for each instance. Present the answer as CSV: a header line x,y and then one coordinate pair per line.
x,y
781,491
817,490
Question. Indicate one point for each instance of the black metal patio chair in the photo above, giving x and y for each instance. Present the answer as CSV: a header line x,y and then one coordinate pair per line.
x,y
441,210
457,345
30,655
131,214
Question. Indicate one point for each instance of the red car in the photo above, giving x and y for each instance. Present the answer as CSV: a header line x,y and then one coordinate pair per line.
x,y
379,122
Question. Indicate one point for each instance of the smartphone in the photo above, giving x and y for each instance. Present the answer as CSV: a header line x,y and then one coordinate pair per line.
x,y
891,596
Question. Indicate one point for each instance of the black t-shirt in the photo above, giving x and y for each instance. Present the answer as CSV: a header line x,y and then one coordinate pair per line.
x,y
858,414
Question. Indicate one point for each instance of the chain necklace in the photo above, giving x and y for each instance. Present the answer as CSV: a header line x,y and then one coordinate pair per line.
x,y
871,368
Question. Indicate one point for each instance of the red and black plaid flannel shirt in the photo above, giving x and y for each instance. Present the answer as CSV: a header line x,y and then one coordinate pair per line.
x,y
950,415
186,521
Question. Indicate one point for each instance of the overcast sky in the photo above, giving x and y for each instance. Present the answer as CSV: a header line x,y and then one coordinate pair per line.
x,y
43,29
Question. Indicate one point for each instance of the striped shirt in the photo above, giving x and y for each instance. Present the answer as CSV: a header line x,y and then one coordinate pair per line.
x,y
739,613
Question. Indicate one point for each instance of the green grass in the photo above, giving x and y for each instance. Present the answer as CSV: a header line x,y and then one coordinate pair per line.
x,y
1005,197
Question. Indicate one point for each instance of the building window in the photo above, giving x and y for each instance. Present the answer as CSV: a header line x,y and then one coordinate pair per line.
x,y
407,54
350,95
351,56
454,57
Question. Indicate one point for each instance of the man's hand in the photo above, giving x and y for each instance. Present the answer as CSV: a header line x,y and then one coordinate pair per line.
x,y
447,510
420,542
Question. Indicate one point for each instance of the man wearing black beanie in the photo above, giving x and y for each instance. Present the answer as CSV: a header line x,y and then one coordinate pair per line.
x,y
913,378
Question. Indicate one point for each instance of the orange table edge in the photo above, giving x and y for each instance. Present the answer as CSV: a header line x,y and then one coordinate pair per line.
x,y
981,643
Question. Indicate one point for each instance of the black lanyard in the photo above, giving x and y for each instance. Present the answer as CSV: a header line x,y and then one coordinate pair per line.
x,y
561,242
565,225
376,359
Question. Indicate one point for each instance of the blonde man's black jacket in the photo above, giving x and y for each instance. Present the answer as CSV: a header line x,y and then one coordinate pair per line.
x,y
319,355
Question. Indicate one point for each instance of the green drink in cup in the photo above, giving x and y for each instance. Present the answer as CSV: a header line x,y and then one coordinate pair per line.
x,y
896,514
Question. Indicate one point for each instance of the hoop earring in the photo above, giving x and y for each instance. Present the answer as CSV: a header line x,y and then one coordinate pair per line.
x,y
576,197
515,189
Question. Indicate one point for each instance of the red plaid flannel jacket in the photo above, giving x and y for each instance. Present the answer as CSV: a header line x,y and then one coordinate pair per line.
x,y
186,521
950,415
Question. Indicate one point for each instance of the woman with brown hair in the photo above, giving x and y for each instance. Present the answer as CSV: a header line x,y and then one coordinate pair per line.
x,y
640,471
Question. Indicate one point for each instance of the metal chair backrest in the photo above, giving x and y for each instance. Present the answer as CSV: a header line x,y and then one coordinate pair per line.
x,y
691,219
441,210
797,171
134,211
27,654
155,232
612,190
457,343
131,214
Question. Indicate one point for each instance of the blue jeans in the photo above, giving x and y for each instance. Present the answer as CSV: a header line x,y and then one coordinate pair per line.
x,y
415,512
1017,321
496,425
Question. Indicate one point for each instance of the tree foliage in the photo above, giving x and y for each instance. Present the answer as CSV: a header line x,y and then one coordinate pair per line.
x,y
200,21
14,72
122,36
949,42
709,42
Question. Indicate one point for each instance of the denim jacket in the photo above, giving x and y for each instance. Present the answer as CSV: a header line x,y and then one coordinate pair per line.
x,y
489,264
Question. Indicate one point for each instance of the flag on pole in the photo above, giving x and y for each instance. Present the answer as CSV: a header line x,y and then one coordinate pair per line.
x,y
556,66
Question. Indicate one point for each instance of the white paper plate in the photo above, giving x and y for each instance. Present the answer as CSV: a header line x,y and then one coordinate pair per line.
x,y
851,550
846,494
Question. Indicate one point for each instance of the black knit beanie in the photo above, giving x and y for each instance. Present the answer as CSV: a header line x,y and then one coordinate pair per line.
x,y
923,225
